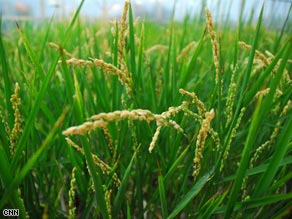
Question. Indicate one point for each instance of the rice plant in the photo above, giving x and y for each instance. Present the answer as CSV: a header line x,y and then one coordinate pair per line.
x,y
134,119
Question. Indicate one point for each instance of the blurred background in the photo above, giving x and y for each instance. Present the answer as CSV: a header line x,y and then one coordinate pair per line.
x,y
276,11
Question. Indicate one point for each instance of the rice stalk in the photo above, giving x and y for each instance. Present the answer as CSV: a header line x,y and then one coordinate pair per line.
x,y
201,139
106,169
233,133
157,47
215,45
195,100
230,98
72,207
185,51
107,67
266,146
60,49
16,130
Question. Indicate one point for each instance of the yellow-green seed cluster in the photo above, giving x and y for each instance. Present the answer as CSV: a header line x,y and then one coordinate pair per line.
x,y
266,145
16,131
215,45
233,133
72,207
200,143
105,168
230,98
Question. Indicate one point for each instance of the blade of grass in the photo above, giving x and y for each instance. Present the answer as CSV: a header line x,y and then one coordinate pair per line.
x,y
87,213
257,203
162,193
191,194
170,172
276,80
121,191
68,79
282,181
133,68
214,205
96,177
4,138
139,184
241,13
79,105
184,33
6,78
6,178
277,42
140,59
250,59
151,90
48,30
31,54
252,131
219,100
243,162
284,212
243,85
190,67
167,70
128,211
31,162
259,169
29,122
15,198
258,83
280,151
115,84
132,44
259,114
282,144
175,164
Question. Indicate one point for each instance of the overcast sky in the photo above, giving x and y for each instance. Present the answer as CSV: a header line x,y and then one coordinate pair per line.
x,y
274,9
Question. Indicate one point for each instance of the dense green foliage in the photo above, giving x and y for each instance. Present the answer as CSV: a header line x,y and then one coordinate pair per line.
x,y
243,164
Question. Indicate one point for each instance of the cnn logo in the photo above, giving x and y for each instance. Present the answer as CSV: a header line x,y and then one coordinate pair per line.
x,y
10,212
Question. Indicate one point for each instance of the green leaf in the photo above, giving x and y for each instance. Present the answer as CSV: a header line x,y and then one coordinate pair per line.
x,y
30,120
252,130
259,169
31,162
213,204
6,178
162,194
191,194
268,71
6,78
244,161
121,191
190,67
257,202
280,151
132,42
128,211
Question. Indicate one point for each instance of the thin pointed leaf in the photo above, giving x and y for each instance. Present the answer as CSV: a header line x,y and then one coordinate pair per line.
x,y
252,130
6,77
162,194
191,194
29,122
121,192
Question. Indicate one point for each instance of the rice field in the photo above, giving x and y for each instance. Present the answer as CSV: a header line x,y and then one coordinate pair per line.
x,y
136,119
